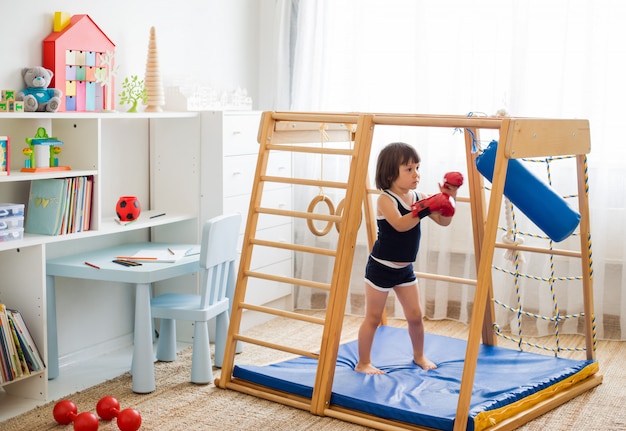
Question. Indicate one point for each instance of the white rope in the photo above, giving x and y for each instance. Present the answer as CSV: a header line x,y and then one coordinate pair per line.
x,y
510,237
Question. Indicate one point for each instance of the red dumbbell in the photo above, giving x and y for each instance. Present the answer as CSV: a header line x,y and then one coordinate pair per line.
x,y
127,419
65,412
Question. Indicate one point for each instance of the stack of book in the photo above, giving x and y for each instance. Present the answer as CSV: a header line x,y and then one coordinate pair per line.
x,y
20,356
58,206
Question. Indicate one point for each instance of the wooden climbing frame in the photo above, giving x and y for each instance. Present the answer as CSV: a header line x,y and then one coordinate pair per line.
x,y
295,132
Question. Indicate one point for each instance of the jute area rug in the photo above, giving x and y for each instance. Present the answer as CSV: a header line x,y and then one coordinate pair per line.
x,y
177,404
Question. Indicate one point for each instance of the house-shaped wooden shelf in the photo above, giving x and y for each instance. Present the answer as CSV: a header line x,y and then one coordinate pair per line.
x,y
73,55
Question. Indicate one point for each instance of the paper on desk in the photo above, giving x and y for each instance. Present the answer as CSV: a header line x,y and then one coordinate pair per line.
x,y
158,255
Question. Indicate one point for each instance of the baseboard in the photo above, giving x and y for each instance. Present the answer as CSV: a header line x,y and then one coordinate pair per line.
x,y
95,351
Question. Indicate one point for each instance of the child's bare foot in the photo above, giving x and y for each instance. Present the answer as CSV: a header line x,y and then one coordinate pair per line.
x,y
367,369
425,363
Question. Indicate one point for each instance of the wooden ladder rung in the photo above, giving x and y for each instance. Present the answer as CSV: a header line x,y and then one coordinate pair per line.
x,y
312,150
275,346
448,278
266,393
299,214
554,251
288,280
283,313
294,247
304,182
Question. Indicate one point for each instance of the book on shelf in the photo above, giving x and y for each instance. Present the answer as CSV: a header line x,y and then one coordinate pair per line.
x,y
79,187
58,206
21,365
31,352
5,356
20,356
46,206
87,196
5,155
9,352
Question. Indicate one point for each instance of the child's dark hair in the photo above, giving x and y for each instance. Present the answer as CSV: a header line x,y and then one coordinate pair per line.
x,y
390,159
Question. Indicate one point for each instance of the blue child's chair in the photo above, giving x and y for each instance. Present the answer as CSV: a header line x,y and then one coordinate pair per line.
x,y
218,252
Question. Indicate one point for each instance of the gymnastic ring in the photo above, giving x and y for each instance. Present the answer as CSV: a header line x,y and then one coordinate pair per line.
x,y
339,212
331,209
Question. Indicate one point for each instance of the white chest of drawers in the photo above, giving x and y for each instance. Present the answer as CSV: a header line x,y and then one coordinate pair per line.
x,y
229,153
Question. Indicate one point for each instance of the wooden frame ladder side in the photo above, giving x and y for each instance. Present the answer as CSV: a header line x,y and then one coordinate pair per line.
x,y
264,137
478,210
340,284
484,281
282,130
585,247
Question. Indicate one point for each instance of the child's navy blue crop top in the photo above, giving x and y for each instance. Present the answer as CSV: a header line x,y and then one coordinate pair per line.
x,y
395,246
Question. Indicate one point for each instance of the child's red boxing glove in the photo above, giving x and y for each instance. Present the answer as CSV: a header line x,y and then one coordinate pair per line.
x,y
452,179
439,202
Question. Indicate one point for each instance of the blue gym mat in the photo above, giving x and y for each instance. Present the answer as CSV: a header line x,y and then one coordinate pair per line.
x,y
407,393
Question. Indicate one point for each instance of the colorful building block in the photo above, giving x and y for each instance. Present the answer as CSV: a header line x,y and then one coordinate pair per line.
x,y
8,95
16,106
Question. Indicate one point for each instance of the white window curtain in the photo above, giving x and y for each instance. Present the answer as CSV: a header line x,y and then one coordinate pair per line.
x,y
557,59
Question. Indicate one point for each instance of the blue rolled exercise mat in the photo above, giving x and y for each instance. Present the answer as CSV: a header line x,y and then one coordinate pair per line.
x,y
533,197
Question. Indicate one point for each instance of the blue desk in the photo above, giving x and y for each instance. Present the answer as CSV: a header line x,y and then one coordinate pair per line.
x,y
143,276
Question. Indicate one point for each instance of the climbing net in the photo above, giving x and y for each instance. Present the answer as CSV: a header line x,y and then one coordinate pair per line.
x,y
512,235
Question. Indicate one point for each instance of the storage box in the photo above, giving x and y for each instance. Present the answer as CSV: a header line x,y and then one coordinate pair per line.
x,y
11,222
11,234
11,210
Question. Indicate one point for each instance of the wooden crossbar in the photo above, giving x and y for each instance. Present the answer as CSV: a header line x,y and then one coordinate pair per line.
x,y
288,280
304,182
294,247
283,313
542,250
276,346
299,214
311,150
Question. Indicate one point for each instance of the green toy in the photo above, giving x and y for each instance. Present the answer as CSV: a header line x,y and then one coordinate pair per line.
x,y
133,92
42,153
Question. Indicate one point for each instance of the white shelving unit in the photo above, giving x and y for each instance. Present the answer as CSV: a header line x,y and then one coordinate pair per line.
x,y
154,156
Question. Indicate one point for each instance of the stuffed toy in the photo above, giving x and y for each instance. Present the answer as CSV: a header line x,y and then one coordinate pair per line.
x,y
37,96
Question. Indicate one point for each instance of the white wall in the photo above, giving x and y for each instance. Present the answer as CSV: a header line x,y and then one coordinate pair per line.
x,y
213,42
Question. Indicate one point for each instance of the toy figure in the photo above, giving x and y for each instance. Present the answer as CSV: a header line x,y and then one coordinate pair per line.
x,y
41,153
37,96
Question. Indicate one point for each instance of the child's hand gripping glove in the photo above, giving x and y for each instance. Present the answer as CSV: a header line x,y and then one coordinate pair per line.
x,y
452,179
440,202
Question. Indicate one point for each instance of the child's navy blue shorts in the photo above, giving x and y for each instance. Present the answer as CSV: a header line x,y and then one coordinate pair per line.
x,y
383,277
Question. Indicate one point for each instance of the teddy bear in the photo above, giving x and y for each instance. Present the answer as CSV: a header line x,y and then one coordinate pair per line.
x,y
37,96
